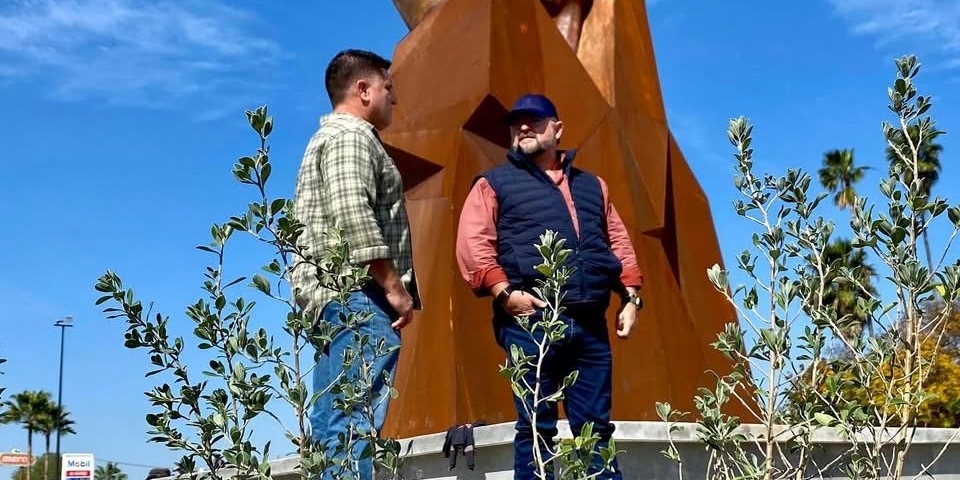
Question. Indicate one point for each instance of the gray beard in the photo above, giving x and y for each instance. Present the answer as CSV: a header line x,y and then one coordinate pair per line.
x,y
532,150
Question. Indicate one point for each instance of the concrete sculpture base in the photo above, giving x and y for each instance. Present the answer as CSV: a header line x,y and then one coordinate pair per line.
x,y
642,441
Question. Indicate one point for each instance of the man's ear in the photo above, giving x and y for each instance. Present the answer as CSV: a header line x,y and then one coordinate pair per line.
x,y
362,87
559,129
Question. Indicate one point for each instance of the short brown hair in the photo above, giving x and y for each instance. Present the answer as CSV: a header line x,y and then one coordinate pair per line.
x,y
348,66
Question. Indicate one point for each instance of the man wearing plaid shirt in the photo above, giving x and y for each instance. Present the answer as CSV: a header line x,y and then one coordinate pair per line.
x,y
348,181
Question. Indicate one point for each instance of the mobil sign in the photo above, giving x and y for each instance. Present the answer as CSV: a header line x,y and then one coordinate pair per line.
x,y
77,466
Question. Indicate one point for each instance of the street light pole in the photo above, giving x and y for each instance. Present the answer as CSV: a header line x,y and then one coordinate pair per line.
x,y
63,324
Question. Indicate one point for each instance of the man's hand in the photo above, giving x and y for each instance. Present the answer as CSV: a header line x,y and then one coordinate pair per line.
x,y
626,320
521,304
402,302
384,273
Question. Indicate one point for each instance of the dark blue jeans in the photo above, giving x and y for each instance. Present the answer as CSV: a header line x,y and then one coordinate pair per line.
x,y
585,347
328,422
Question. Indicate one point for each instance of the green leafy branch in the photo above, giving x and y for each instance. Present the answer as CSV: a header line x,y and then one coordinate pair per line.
x,y
214,424
575,455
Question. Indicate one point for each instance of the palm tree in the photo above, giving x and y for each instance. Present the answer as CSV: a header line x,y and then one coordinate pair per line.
x,y
839,175
25,408
2,361
928,167
53,418
843,294
110,471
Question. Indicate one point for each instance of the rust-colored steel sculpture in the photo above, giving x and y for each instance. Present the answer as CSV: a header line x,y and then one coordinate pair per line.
x,y
463,61
568,15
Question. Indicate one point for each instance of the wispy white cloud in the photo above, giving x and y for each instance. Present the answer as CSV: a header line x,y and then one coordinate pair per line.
x,y
141,52
930,28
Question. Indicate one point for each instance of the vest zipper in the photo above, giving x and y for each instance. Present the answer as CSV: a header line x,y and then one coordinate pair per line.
x,y
580,279
580,282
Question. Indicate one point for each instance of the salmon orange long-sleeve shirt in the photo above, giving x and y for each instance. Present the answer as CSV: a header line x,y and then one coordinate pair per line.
x,y
476,247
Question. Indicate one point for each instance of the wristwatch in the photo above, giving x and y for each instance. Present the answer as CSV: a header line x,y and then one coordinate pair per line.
x,y
504,294
635,300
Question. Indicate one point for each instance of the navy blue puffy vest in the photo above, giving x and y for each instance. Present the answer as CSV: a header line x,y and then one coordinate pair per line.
x,y
529,203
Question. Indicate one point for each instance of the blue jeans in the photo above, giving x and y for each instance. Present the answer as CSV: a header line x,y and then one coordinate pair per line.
x,y
326,421
585,347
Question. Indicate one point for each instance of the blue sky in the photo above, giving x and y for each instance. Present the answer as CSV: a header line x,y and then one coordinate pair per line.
x,y
124,119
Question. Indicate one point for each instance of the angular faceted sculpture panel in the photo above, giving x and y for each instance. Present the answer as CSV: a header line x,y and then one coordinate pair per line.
x,y
456,73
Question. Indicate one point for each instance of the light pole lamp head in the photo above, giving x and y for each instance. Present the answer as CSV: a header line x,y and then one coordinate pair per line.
x,y
66,321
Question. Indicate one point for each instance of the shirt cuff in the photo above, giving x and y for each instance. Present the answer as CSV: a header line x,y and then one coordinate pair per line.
x,y
631,277
489,277
364,255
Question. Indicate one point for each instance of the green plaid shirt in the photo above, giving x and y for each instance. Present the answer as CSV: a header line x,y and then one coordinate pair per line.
x,y
348,180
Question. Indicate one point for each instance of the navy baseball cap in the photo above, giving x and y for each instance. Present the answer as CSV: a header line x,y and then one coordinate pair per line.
x,y
532,104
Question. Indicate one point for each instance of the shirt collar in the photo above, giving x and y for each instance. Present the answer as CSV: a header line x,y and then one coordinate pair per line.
x,y
343,117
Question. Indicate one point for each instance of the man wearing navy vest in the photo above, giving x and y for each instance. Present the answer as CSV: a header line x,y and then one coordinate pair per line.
x,y
505,213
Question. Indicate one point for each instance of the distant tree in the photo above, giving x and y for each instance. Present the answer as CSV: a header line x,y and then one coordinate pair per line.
x,y
110,471
839,175
843,294
38,471
928,166
51,419
941,344
25,409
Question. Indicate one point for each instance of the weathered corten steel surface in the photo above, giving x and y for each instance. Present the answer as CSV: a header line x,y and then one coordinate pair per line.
x,y
454,73
567,14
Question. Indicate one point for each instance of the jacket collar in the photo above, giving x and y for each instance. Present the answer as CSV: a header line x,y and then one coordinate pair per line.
x,y
520,159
